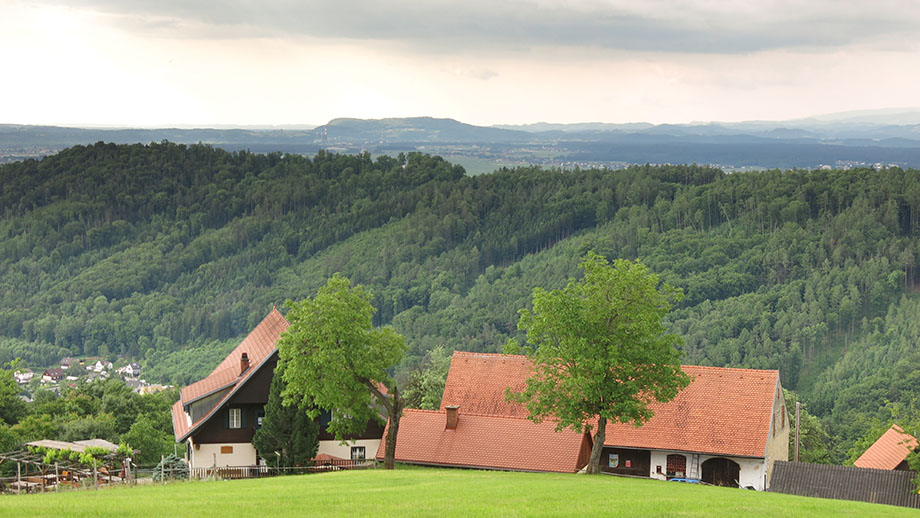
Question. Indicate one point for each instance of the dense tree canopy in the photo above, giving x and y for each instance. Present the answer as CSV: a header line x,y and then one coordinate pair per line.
x,y
601,352
168,254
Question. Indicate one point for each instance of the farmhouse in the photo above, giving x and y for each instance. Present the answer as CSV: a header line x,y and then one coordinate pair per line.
x,y
55,374
726,428
218,416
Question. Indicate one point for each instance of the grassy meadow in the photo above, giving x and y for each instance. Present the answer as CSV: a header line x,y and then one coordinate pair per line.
x,y
431,492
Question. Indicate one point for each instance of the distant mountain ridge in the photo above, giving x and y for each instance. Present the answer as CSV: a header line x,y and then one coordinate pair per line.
x,y
837,140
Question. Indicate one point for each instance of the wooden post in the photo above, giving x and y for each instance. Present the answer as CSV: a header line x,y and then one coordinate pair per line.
x,y
162,470
798,406
95,475
18,477
57,478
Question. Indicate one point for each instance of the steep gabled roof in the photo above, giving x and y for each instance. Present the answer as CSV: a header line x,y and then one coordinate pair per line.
x,y
482,441
723,411
259,346
477,382
889,450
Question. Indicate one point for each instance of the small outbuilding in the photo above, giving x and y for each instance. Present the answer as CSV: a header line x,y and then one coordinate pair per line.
x,y
890,451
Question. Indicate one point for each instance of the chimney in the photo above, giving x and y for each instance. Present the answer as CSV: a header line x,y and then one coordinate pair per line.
x,y
453,412
244,363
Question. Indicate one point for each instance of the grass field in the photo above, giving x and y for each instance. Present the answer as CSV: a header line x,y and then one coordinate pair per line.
x,y
431,492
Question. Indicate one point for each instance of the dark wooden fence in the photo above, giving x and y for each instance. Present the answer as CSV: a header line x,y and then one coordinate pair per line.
x,y
876,486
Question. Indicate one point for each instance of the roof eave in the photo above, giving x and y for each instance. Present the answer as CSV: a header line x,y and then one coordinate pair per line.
x,y
210,393
776,388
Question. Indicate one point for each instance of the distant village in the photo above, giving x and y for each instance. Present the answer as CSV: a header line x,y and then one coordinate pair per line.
x,y
71,372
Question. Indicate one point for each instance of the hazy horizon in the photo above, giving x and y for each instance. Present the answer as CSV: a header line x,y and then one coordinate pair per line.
x,y
245,63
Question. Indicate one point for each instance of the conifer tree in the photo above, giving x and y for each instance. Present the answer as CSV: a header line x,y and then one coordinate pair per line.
x,y
287,430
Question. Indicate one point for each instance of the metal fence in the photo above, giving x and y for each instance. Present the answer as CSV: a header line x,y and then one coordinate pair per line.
x,y
240,472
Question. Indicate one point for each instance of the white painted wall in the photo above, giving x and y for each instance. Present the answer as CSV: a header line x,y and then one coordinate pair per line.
x,y
203,457
752,471
336,449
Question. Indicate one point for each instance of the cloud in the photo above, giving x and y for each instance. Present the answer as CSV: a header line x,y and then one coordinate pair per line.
x,y
683,26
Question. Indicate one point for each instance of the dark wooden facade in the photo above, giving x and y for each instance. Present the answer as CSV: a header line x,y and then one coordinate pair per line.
x,y
628,461
250,399
373,430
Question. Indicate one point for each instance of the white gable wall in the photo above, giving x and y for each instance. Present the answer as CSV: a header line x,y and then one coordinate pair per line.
x,y
343,451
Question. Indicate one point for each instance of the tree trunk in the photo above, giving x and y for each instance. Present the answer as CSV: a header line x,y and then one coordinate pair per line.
x,y
594,463
389,459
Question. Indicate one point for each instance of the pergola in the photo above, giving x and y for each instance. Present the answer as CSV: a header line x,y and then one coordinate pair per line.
x,y
34,474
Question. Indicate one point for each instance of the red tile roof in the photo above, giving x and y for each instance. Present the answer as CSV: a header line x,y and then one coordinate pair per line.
x,y
889,450
723,411
482,441
477,382
180,420
259,346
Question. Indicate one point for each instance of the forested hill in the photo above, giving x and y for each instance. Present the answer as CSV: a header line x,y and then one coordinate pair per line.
x,y
168,254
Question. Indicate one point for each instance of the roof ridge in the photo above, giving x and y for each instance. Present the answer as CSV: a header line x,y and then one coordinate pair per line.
x,y
471,353
524,357
473,414
737,369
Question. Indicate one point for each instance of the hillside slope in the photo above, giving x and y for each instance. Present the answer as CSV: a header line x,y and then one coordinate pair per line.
x,y
166,253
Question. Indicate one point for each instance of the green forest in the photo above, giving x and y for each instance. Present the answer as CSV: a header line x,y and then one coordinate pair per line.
x,y
168,254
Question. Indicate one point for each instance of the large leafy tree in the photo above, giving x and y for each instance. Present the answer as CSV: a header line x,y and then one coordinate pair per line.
x,y
600,352
287,430
335,359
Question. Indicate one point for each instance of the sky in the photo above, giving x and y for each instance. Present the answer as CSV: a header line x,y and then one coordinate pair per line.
x,y
157,63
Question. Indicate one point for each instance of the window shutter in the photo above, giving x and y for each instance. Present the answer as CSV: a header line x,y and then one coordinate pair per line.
x,y
226,418
243,412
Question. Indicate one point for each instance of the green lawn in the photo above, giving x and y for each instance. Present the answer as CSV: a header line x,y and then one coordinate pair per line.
x,y
431,492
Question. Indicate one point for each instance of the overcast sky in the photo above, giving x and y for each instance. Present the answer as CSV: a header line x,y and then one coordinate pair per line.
x,y
285,62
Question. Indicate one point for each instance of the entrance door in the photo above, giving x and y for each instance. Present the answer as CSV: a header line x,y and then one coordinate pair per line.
x,y
721,472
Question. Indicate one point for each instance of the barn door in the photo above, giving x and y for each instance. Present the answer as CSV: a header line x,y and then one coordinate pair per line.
x,y
721,472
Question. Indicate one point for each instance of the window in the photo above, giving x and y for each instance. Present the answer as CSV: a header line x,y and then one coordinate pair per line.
x,y
676,465
357,453
236,418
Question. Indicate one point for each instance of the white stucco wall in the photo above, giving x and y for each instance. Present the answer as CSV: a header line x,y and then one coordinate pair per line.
x,y
204,456
343,451
752,471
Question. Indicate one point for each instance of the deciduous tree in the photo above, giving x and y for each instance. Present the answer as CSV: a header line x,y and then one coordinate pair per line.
x,y
600,351
336,360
